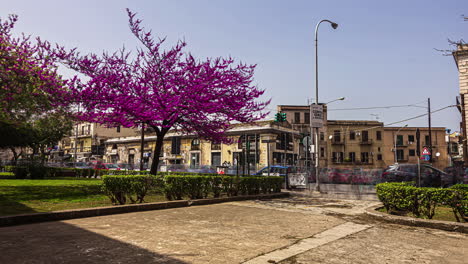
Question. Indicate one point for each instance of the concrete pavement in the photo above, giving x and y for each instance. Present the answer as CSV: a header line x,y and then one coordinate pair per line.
x,y
233,232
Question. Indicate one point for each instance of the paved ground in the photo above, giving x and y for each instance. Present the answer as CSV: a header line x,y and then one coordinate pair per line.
x,y
309,230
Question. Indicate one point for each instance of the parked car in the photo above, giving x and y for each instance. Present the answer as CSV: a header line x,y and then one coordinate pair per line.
x,y
106,166
83,165
275,170
430,176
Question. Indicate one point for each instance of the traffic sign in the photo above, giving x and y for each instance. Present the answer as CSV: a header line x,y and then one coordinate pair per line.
x,y
426,151
306,141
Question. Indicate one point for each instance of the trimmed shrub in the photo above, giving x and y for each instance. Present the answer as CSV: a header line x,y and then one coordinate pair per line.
x,y
119,188
402,198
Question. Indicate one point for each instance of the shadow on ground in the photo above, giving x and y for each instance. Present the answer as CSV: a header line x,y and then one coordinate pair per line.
x,y
57,242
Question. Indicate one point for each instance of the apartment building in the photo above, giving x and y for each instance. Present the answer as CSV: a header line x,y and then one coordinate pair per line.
x,y
400,145
350,143
86,140
299,118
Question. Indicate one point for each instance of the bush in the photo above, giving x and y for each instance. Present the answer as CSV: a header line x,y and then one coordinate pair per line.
x,y
33,170
201,186
119,188
404,197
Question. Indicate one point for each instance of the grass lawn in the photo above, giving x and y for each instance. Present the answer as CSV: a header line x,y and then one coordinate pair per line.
x,y
31,196
441,213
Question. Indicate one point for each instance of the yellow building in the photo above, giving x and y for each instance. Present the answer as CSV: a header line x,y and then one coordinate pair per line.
x,y
249,147
86,140
405,143
352,143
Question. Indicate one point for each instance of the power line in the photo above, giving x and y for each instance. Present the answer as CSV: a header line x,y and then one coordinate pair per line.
x,y
376,107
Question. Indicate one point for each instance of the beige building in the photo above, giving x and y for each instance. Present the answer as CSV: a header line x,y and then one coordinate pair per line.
x,y
351,143
86,141
299,117
405,141
461,60
249,146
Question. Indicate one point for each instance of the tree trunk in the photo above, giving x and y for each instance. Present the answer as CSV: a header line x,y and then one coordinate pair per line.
x,y
15,155
157,151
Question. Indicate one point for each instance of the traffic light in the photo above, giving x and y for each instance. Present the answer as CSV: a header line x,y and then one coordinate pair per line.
x,y
283,117
280,117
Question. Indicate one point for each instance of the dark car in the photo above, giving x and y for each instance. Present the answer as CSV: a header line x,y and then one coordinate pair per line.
x,y
430,176
275,170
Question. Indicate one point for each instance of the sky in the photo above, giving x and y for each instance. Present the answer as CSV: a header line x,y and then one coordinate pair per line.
x,y
384,53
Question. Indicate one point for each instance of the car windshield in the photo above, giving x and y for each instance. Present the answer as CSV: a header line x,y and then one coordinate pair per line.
x,y
111,166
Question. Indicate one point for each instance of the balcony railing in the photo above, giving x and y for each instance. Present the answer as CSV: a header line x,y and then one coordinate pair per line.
x,y
337,142
366,141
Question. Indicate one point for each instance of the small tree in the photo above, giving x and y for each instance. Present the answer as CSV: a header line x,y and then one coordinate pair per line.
x,y
164,90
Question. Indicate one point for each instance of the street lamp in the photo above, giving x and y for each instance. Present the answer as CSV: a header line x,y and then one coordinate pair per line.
x,y
396,158
334,26
337,99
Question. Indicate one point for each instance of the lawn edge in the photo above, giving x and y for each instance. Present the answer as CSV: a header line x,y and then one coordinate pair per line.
x,y
121,209
410,221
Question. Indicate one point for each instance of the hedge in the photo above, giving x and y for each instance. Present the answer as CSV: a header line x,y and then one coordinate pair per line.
x,y
121,188
422,201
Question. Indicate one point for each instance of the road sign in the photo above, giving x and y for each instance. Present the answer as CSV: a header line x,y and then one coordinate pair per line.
x,y
306,141
316,118
426,151
428,158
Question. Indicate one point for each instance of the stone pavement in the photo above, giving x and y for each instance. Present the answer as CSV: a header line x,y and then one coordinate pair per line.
x,y
287,230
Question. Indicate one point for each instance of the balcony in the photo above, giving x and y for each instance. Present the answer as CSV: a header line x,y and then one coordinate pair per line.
x,y
366,142
337,142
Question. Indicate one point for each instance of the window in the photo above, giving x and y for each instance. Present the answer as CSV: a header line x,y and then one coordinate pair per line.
x,y
399,140
379,156
337,157
352,156
307,118
365,136
336,136
322,152
400,154
82,130
365,157
322,136
379,135
410,138
412,152
216,159
215,146
378,149
89,129
195,144
118,129
175,148
297,117
352,135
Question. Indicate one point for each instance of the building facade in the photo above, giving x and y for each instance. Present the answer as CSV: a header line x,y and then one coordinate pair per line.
x,y
461,60
404,143
253,144
299,118
352,143
86,141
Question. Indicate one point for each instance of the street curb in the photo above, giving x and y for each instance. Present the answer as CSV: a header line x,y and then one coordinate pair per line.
x,y
120,209
403,220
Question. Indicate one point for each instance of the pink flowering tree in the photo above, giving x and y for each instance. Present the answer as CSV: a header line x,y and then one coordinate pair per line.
x,y
31,91
164,89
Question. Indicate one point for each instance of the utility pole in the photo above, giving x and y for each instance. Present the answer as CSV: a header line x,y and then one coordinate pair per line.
x,y
142,146
430,132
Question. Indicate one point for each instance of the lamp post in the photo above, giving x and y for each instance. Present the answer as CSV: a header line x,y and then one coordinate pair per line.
x,y
316,149
396,158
